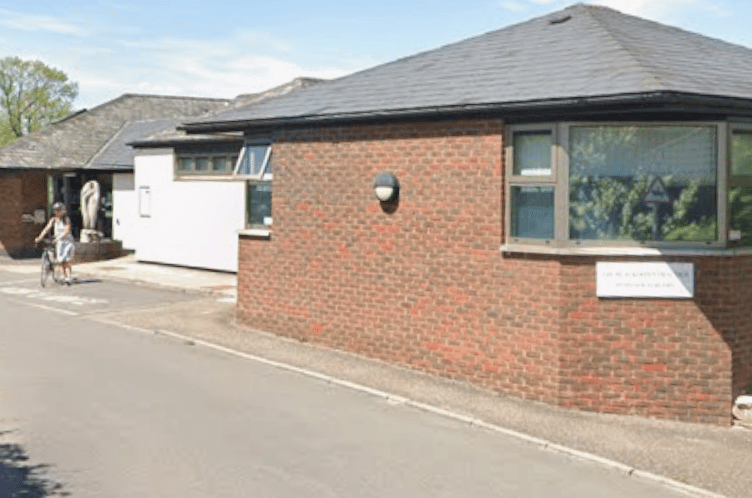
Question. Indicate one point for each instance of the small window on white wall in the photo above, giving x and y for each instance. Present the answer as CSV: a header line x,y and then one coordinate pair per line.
x,y
144,202
217,160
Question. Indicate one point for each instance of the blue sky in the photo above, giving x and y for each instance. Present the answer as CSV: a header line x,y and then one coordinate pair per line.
x,y
224,48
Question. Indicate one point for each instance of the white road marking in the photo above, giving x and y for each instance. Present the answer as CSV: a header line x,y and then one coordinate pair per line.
x,y
47,296
15,282
25,269
46,308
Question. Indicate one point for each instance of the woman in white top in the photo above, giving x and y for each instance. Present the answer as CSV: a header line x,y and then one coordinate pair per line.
x,y
63,238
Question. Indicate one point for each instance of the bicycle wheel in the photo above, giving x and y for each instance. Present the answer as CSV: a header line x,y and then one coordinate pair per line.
x,y
46,268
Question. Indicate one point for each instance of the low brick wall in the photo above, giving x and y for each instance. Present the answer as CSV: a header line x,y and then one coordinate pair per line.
x,y
97,251
425,286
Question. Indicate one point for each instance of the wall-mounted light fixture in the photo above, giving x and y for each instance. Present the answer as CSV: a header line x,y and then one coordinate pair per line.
x,y
386,187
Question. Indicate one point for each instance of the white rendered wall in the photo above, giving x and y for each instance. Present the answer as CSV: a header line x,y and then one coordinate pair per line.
x,y
124,210
187,222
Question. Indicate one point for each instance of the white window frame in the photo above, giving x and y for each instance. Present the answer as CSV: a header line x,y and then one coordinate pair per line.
x,y
262,175
144,201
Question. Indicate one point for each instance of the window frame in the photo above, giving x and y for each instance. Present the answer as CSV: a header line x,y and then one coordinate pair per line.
x,y
735,180
204,152
551,180
560,181
262,175
248,184
262,178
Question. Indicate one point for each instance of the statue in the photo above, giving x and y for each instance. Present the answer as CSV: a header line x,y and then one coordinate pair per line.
x,y
743,410
90,210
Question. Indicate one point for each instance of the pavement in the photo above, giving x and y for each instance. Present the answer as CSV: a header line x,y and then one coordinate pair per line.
x,y
129,269
692,457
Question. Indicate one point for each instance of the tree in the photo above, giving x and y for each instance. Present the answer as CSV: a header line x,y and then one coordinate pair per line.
x,y
32,94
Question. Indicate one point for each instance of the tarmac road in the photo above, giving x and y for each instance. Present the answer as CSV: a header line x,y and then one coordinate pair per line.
x,y
96,410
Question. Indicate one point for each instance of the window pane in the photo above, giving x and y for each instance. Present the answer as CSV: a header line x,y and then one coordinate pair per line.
x,y
268,170
740,212
532,153
202,164
253,160
185,164
612,168
221,164
741,154
533,212
259,204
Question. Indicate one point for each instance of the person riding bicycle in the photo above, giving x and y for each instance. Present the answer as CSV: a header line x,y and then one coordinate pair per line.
x,y
62,237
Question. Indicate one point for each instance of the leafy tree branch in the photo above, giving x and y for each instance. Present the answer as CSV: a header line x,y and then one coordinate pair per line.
x,y
32,94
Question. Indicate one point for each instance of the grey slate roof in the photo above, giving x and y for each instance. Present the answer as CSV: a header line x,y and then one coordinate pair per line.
x,y
171,136
117,153
583,51
79,141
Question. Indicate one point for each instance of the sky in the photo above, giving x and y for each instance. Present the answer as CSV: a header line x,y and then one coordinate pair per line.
x,y
224,48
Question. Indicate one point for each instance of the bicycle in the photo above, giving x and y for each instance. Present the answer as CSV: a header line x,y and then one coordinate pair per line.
x,y
50,266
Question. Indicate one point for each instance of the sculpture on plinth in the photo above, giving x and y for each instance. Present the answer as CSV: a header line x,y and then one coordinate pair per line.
x,y
90,196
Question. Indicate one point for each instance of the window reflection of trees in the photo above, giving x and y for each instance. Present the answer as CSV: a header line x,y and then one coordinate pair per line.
x,y
611,168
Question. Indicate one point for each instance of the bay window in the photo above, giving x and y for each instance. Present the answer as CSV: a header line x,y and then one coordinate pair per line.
x,y
740,186
611,169
572,184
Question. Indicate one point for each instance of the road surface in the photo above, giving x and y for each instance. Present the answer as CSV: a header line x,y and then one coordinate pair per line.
x,y
92,409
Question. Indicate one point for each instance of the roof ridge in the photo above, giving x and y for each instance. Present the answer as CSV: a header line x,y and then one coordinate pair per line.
x,y
106,145
174,97
126,96
591,9
250,99
677,29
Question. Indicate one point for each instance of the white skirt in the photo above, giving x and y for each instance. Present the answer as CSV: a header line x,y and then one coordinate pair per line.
x,y
64,250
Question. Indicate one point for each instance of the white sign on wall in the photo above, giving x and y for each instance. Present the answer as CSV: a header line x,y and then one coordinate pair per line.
x,y
665,280
144,202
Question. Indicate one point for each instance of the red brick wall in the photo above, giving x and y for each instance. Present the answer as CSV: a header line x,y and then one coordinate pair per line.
x,y
20,193
738,296
426,286
654,357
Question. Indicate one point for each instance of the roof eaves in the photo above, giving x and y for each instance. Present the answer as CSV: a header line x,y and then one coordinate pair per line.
x,y
644,100
176,142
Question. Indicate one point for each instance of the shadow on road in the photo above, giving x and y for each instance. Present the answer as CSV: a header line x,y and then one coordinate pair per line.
x,y
86,280
19,479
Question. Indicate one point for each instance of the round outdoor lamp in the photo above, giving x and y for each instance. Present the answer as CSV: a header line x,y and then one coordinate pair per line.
x,y
386,187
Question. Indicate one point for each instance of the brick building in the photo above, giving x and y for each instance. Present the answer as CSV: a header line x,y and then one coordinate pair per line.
x,y
572,223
